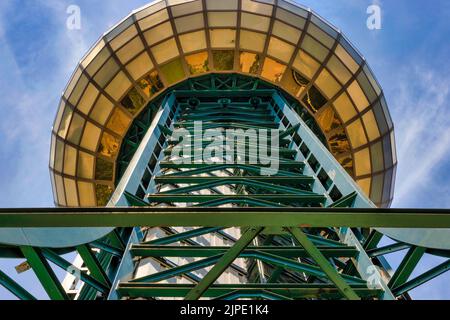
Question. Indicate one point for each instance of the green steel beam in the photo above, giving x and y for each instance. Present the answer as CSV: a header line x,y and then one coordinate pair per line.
x,y
422,279
13,287
67,266
268,258
224,217
179,270
291,180
107,248
182,236
44,273
396,247
142,250
283,165
225,261
249,202
93,265
406,267
324,264
199,198
242,182
257,294
295,291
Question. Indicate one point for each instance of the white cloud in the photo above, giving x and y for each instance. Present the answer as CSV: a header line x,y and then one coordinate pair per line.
x,y
422,124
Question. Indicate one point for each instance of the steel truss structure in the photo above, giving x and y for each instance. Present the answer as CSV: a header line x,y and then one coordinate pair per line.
x,y
302,232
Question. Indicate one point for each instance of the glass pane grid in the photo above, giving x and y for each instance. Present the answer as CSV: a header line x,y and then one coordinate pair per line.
x,y
271,45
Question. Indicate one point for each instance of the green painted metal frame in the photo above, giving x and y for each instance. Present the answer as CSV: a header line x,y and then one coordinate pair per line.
x,y
322,263
225,217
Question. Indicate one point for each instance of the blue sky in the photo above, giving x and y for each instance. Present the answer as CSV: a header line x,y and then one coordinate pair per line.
x,y
409,56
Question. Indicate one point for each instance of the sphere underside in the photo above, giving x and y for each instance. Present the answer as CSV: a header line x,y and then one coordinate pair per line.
x,y
167,42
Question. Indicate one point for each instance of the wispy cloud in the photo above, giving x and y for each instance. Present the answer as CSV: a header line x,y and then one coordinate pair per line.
x,y
422,114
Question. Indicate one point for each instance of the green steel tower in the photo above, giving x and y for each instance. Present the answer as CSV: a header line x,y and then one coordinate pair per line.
x,y
223,150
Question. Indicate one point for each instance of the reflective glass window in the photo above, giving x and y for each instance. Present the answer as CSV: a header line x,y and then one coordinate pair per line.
x,y
371,126
165,51
78,90
223,59
133,101
87,194
140,66
356,134
362,163
257,7
223,38
255,22
327,84
98,50
106,73
119,121
222,5
280,49
70,160
85,165
103,170
186,8
358,96
151,84
124,37
76,129
98,61
345,107
154,19
188,23
65,122
173,71
367,87
320,35
52,151
88,99
159,33
339,142
328,120
102,110
381,120
338,69
60,187
346,59
250,62
90,137
377,188
222,19
103,194
372,80
291,18
286,32
193,41
306,64
109,145
314,48
59,155
252,41
198,62
376,151
71,192
365,185
130,50
118,86
273,70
